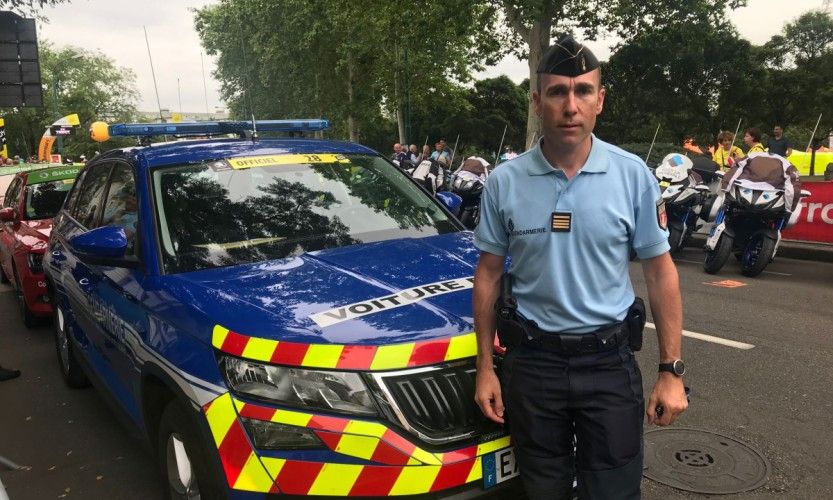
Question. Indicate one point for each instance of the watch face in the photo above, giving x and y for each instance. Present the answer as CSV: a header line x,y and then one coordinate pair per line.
x,y
679,368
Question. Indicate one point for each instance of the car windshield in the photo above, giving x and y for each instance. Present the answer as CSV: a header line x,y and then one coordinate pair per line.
x,y
251,209
44,200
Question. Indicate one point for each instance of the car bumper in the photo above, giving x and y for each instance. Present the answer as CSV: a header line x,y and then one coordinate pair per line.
x,y
361,458
36,294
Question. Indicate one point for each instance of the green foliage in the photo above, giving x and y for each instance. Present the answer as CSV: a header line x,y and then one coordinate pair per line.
x,y
87,83
658,152
28,7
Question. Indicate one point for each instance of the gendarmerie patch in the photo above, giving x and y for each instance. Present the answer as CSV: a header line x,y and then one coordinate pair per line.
x,y
662,216
561,222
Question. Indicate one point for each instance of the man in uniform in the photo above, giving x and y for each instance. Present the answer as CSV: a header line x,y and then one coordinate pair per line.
x,y
567,212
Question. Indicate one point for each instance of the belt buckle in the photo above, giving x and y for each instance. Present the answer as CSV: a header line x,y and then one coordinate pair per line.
x,y
570,344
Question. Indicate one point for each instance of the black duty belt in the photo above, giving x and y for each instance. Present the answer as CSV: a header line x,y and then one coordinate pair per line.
x,y
571,344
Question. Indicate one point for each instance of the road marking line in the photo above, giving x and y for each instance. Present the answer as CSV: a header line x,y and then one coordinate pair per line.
x,y
710,338
699,262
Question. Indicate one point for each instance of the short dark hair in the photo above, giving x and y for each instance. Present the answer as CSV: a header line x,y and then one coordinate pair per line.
x,y
755,133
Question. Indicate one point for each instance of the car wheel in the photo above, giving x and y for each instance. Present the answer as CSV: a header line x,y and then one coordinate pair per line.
x,y
29,319
183,457
71,370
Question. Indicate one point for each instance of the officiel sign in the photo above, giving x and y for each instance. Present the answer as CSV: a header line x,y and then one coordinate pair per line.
x,y
398,299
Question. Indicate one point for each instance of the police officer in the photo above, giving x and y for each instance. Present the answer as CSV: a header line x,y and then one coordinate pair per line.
x,y
567,212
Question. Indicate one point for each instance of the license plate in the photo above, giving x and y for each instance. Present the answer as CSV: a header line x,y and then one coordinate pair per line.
x,y
499,467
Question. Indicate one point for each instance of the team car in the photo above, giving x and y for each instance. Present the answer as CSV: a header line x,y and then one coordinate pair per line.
x,y
31,200
283,316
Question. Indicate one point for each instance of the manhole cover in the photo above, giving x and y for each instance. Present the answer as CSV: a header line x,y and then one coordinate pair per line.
x,y
703,461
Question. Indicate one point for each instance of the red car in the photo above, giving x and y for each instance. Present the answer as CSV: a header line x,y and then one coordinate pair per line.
x,y
30,202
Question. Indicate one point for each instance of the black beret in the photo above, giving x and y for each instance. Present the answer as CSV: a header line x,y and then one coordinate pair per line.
x,y
567,57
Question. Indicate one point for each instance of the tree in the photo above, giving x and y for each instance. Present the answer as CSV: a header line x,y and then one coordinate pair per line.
x,y
809,36
356,62
531,24
28,7
691,79
74,81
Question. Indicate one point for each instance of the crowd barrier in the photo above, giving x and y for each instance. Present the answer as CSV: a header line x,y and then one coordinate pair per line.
x,y
816,221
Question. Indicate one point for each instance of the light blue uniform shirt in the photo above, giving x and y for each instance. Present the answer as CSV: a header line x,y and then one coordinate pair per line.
x,y
574,281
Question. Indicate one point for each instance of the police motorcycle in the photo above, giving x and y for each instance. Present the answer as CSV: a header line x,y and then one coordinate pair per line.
x,y
468,182
431,174
684,192
758,198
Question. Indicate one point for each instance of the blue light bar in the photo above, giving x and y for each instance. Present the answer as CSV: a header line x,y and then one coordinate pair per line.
x,y
215,128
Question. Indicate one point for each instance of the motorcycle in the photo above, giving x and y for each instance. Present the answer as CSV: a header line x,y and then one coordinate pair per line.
x,y
684,192
748,218
468,182
431,174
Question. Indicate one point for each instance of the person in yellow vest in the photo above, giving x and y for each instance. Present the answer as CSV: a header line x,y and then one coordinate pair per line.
x,y
752,138
725,154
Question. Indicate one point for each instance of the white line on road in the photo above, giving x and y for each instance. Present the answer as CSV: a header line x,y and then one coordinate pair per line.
x,y
710,338
698,262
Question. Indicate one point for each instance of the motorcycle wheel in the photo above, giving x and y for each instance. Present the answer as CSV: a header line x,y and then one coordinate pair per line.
x,y
676,233
757,254
715,259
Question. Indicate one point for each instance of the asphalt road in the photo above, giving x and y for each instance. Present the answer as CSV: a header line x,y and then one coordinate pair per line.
x,y
776,396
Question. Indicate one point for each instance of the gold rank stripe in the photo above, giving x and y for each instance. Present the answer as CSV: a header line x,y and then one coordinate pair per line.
x,y
345,356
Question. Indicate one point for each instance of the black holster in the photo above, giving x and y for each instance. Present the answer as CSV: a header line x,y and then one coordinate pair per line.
x,y
635,320
511,330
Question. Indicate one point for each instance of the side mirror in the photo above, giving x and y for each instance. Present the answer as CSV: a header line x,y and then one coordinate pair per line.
x,y
104,246
8,214
452,201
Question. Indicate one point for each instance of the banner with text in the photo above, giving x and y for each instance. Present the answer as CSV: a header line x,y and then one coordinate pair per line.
x,y
816,221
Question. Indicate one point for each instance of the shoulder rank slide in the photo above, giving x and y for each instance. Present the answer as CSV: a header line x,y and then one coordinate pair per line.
x,y
561,222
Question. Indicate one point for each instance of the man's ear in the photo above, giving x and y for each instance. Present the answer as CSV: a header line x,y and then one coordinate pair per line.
x,y
600,105
536,101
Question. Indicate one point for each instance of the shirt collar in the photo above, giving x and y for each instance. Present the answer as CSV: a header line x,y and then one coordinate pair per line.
x,y
596,160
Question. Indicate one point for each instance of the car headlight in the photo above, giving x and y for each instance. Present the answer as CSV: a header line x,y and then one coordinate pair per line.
x,y
342,392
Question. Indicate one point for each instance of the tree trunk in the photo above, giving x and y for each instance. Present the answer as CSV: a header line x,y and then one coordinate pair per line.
x,y
538,41
400,120
352,127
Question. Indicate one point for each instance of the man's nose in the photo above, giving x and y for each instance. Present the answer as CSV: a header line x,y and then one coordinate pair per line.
x,y
570,104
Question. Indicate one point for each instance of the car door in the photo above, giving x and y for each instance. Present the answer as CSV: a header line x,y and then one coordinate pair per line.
x,y
121,320
7,237
76,279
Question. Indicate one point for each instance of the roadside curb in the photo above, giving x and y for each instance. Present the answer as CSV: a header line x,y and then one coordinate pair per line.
x,y
788,248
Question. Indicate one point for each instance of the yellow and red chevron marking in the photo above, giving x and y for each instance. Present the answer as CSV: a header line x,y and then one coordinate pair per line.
x,y
346,357
243,469
368,440
407,469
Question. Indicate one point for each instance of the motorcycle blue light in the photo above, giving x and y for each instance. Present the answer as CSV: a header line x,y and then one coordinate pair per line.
x,y
216,128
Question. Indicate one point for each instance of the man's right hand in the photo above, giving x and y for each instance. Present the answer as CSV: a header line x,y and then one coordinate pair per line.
x,y
487,394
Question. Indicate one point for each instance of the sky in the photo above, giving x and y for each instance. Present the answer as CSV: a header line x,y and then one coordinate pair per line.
x,y
115,28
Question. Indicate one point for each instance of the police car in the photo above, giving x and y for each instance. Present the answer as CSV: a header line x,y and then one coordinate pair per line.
x,y
276,316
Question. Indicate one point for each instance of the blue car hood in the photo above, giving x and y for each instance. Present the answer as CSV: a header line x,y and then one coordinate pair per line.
x,y
371,294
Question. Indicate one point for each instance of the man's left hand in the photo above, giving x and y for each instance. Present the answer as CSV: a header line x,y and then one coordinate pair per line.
x,y
669,393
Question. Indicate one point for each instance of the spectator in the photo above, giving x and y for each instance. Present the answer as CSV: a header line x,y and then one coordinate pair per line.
x,y
779,144
425,154
752,138
440,154
690,145
6,374
398,155
446,147
725,154
413,152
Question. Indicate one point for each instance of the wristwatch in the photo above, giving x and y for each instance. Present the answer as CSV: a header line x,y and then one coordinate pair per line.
x,y
677,367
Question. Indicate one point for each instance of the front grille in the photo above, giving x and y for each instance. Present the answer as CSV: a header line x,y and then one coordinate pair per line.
x,y
437,403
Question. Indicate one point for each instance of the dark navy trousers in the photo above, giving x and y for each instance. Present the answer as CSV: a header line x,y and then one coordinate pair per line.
x,y
597,398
